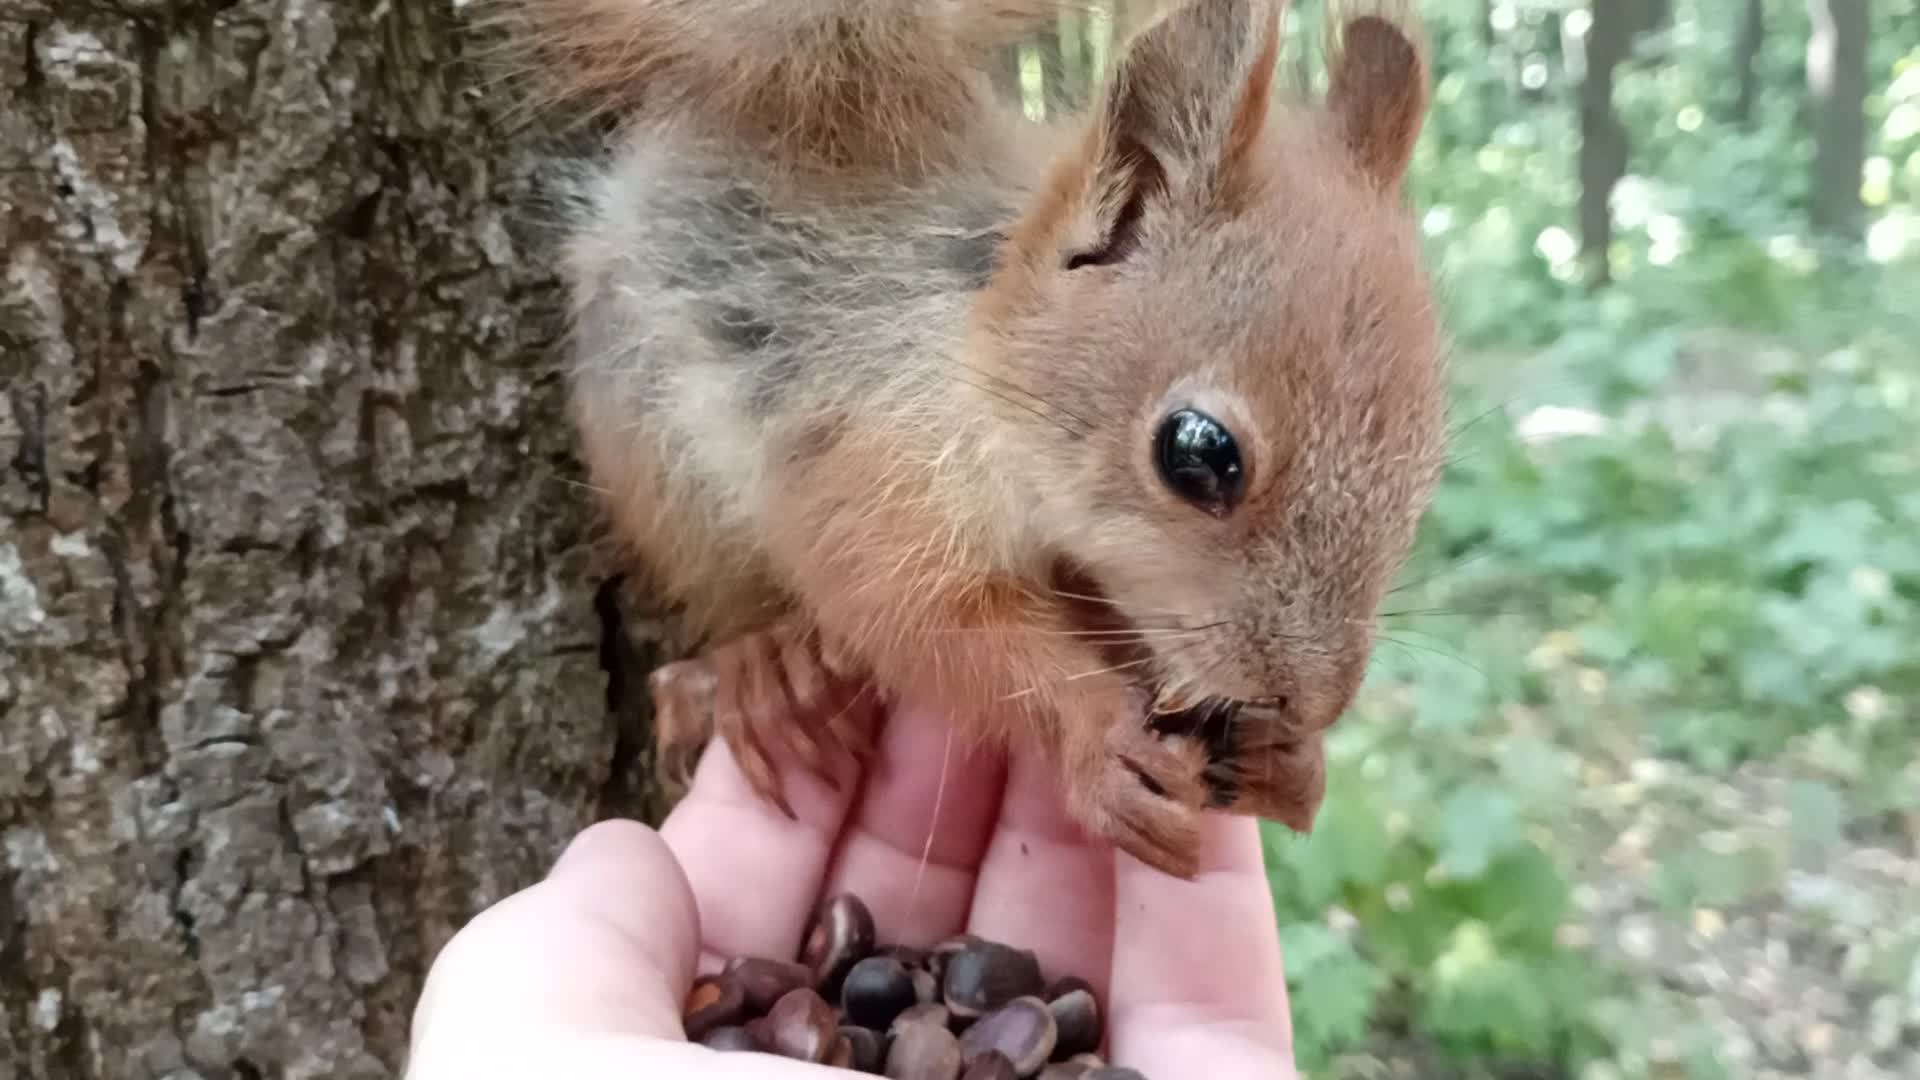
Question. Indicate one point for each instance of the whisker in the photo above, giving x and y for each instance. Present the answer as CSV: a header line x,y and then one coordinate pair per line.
x,y
1127,635
1187,682
1461,429
1462,661
926,849
1107,670
1065,595
581,484
1090,635
1024,407
1019,396
1437,574
1436,613
1537,393
1008,384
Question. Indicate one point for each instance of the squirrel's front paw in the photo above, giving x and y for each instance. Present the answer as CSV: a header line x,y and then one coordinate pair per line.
x,y
1148,798
768,694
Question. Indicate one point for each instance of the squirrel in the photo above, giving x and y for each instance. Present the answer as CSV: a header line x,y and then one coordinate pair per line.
x,y
1105,433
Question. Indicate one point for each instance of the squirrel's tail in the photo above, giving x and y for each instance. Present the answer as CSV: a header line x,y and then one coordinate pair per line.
x,y
838,84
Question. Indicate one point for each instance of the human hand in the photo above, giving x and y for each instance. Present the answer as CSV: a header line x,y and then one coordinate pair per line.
x,y
583,975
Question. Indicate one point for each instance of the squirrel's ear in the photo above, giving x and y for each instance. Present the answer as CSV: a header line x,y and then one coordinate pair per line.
x,y
1378,91
1192,90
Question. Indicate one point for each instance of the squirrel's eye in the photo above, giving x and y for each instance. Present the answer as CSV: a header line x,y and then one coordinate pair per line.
x,y
1199,460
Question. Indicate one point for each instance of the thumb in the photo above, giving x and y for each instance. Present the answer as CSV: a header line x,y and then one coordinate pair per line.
x,y
604,946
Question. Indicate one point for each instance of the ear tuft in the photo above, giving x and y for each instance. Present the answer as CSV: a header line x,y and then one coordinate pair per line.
x,y
1378,92
1192,88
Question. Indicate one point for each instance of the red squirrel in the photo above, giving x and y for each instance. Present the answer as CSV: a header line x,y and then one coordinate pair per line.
x,y
1105,434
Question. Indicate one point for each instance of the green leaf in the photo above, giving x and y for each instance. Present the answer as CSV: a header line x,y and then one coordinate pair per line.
x,y
1476,996
1836,536
1477,824
1333,990
1349,845
1523,897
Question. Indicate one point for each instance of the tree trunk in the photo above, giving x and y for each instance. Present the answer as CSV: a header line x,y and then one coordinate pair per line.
x,y
1746,60
1054,93
1603,142
1837,80
1008,80
1658,17
302,657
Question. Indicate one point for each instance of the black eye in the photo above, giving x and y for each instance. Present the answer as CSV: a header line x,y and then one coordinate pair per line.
x,y
1199,460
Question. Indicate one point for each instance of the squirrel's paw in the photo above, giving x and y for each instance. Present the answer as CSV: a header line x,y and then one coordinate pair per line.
x,y
1149,796
1281,781
682,692
770,696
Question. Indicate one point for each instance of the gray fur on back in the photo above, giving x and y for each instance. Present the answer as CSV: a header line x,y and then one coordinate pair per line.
x,y
730,327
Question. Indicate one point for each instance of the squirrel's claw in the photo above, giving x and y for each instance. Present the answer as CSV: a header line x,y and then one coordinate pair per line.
x,y
771,699
1148,798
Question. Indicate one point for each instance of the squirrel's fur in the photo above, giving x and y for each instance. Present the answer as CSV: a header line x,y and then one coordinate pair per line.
x,y
866,360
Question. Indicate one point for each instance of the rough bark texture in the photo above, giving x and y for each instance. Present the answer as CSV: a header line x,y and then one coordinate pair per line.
x,y
300,635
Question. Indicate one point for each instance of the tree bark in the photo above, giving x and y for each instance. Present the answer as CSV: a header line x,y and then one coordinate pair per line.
x,y
303,655
1837,81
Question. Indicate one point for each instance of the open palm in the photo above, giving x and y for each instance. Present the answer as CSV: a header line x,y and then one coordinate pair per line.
x,y
583,974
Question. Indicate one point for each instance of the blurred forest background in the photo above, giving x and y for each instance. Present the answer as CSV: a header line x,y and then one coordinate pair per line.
x,y
1633,791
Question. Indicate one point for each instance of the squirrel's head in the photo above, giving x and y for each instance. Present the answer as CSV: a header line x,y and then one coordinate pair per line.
x,y
1214,349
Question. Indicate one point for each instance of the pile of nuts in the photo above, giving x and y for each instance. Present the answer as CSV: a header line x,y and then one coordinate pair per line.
x,y
965,1009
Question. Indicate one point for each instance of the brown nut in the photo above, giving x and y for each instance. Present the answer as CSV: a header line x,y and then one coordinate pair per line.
x,y
731,1039
877,990
947,949
841,1056
931,1012
1066,984
868,1049
713,1002
802,1026
1022,1031
840,937
923,1051
911,958
983,977
1076,1014
1074,1068
926,988
991,1065
763,982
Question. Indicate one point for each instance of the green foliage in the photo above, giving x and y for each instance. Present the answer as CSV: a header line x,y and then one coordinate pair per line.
x,y
1707,555
1449,898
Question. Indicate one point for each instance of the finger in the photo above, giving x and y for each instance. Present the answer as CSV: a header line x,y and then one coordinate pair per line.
x,y
921,829
545,1052
1045,884
755,872
1196,965
605,944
